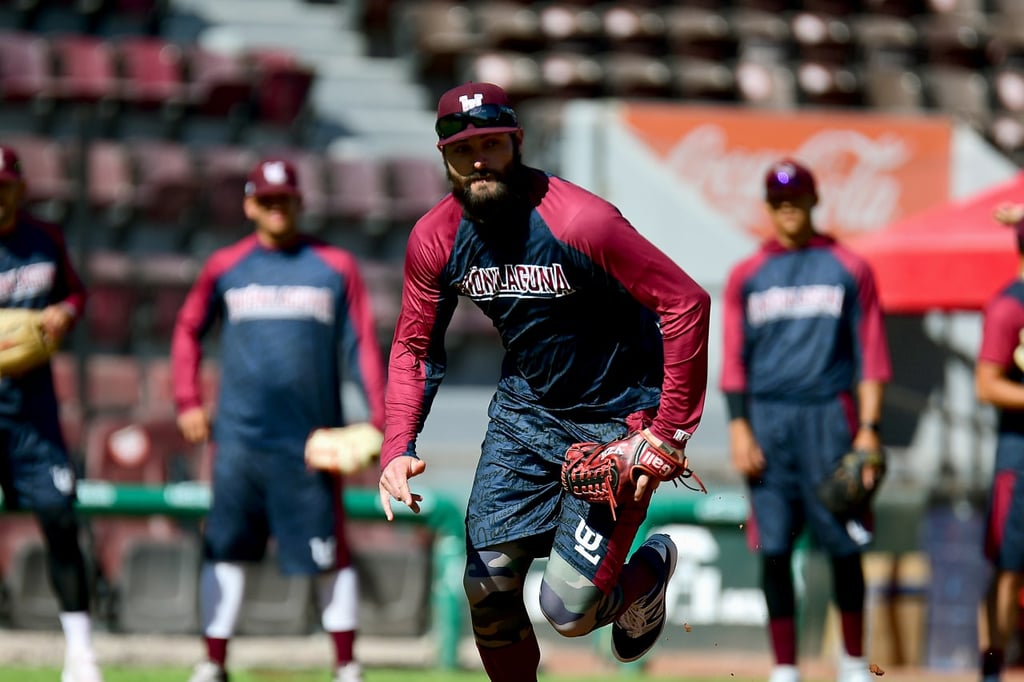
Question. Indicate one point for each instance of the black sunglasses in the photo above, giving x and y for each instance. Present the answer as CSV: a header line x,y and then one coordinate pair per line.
x,y
486,116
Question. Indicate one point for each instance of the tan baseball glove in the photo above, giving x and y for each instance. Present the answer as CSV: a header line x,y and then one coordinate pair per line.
x,y
345,449
23,344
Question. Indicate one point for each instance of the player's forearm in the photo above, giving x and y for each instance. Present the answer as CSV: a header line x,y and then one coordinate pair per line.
x,y
870,395
994,388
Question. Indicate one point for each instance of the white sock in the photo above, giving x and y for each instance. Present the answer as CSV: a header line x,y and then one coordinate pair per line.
x,y
785,673
221,587
850,665
77,626
337,595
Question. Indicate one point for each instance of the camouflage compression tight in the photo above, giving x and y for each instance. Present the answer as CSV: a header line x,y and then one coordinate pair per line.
x,y
494,582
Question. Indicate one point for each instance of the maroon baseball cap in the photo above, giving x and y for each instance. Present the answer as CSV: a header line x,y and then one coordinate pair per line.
x,y
10,165
788,179
273,176
474,109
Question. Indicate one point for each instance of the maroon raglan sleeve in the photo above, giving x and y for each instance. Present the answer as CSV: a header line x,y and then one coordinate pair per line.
x,y
194,318
367,357
652,278
417,362
875,364
734,371
69,289
1003,320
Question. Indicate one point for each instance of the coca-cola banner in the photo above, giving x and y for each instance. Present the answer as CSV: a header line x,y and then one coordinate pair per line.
x,y
871,170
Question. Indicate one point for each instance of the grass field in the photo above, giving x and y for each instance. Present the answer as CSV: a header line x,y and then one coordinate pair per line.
x,y
372,675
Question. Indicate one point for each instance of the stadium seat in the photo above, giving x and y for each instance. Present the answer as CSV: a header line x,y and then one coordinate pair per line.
x,y
221,92
770,86
700,33
86,70
703,80
761,36
893,88
569,75
113,300
434,35
885,39
150,564
1008,82
823,39
357,189
509,26
960,92
634,28
225,170
160,390
109,187
384,284
571,27
25,69
518,73
958,40
827,84
113,383
275,604
152,77
44,162
30,601
415,184
282,87
394,569
635,75
166,192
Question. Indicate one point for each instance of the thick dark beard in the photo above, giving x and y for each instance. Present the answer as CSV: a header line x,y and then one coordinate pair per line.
x,y
507,201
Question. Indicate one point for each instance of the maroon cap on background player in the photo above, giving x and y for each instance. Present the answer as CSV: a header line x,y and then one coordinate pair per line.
x,y
273,176
10,165
788,179
474,109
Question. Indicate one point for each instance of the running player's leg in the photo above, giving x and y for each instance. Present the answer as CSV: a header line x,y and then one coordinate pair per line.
x,y
504,635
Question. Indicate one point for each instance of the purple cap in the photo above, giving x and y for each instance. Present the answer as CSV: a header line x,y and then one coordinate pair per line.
x,y
10,165
787,179
468,97
273,176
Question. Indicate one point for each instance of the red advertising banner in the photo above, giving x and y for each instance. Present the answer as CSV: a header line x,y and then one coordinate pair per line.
x,y
871,169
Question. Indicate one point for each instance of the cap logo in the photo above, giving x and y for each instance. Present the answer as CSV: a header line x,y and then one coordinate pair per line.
x,y
469,103
274,172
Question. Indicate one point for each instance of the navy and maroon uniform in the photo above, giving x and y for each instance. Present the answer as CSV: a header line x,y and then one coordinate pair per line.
x,y
599,329
291,319
802,328
1004,538
35,272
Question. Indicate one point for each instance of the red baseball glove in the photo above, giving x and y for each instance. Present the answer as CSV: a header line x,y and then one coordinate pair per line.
x,y
607,473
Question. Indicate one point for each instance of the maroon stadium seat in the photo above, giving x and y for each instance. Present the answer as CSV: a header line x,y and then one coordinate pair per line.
x,y
25,68
282,86
152,73
44,164
219,84
86,70
113,383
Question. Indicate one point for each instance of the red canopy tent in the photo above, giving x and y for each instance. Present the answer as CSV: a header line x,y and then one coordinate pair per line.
x,y
954,256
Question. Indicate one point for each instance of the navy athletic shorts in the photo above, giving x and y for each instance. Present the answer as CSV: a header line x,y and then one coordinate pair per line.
x,y
258,495
517,493
34,469
1004,534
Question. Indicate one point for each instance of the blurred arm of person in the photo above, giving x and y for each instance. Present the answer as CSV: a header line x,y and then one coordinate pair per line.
x,y
195,317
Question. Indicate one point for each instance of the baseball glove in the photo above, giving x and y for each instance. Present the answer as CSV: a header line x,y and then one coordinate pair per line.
x,y
843,491
23,343
607,473
345,449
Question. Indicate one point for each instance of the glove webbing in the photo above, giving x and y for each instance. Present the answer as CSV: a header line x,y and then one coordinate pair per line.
x,y
596,483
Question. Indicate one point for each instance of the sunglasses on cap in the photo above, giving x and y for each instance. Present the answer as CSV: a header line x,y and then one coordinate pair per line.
x,y
486,116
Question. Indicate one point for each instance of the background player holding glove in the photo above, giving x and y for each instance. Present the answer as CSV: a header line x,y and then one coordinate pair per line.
x,y
999,381
293,311
34,469
604,336
804,366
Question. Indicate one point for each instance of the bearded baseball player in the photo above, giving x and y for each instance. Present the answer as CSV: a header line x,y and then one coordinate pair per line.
x,y
605,346
805,361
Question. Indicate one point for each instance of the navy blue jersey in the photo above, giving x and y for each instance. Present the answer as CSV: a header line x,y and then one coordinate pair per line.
x,y
596,322
1003,321
290,319
35,272
802,324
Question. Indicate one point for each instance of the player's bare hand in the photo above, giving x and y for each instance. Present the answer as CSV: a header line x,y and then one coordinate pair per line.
x,y
747,456
194,424
1009,213
394,484
56,320
644,483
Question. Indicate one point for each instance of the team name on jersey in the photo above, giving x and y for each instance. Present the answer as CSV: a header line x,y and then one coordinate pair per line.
x,y
515,281
27,281
259,302
791,303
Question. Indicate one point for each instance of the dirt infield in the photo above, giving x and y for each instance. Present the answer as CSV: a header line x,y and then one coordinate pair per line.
x,y
46,648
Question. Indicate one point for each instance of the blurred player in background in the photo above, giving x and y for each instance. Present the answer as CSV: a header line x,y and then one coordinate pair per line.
x,y
293,312
999,381
805,364
604,335
35,471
